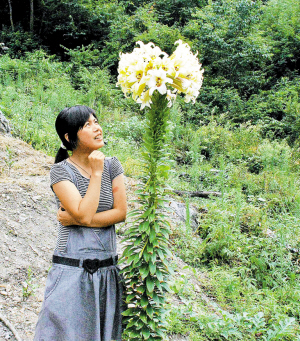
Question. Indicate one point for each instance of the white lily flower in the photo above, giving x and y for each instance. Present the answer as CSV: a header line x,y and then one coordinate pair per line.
x,y
157,81
148,68
145,100
138,87
149,50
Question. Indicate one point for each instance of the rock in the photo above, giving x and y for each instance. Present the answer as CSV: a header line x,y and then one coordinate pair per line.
x,y
23,217
4,125
179,209
36,198
17,299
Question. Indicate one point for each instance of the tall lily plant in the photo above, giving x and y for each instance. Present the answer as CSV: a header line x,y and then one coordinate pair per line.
x,y
153,79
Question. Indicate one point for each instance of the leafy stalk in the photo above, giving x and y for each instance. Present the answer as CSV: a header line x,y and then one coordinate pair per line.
x,y
146,253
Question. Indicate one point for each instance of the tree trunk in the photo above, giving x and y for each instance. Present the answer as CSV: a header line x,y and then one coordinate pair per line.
x,y
31,16
10,16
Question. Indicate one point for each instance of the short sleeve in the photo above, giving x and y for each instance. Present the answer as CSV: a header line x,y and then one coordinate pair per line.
x,y
116,168
58,173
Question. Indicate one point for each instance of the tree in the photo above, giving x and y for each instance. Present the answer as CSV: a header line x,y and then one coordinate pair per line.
x,y
10,15
31,16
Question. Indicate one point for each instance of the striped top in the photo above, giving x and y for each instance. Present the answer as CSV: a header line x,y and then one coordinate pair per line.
x,y
59,173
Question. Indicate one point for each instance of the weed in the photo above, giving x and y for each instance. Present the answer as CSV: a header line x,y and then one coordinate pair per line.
x,y
9,159
28,287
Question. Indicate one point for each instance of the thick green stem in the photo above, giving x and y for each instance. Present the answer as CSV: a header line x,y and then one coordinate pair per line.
x,y
147,270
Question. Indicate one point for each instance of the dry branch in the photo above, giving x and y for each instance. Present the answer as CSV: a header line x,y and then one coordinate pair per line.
x,y
198,194
10,326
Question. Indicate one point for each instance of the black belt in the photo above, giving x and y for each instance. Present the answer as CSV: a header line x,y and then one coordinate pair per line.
x,y
90,265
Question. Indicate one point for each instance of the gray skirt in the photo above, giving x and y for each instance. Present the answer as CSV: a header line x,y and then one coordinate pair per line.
x,y
80,306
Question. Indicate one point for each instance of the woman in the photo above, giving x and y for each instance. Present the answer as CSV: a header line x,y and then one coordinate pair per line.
x,y
83,295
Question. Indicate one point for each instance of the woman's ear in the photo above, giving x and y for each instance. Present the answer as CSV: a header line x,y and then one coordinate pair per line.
x,y
67,137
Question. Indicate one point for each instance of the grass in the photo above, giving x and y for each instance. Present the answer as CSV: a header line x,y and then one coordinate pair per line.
x,y
248,240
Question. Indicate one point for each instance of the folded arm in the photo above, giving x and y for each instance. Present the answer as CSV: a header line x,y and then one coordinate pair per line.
x,y
106,218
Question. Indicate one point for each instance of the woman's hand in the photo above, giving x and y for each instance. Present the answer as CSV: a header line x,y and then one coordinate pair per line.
x,y
96,161
65,218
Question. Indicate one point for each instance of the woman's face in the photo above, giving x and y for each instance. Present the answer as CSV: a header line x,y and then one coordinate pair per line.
x,y
91,135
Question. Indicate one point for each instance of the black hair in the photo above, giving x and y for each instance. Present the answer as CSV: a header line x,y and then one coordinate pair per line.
x,y
70,121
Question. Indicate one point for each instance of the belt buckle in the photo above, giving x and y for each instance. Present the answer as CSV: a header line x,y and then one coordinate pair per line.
x,y
91,265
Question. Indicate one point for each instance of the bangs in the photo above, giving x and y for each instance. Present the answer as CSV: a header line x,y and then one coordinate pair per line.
x,y
78,116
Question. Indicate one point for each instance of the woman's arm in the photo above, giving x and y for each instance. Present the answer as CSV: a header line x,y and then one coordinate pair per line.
x,y
105,218
82,209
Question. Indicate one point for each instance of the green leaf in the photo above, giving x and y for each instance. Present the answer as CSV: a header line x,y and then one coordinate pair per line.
x,y
153,257
133,334
155,243
138,241
165,232
146,256
150,284
165,285
156,298
146,333
152,235
161,255
152,325
150,248
159,275
128,312
144,301
143,317
152,268
149,311
143,227
140,289
160,332
130,297
144,271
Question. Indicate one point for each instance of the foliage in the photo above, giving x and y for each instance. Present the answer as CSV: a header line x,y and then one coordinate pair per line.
x,y
20,42
280,22
241,139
